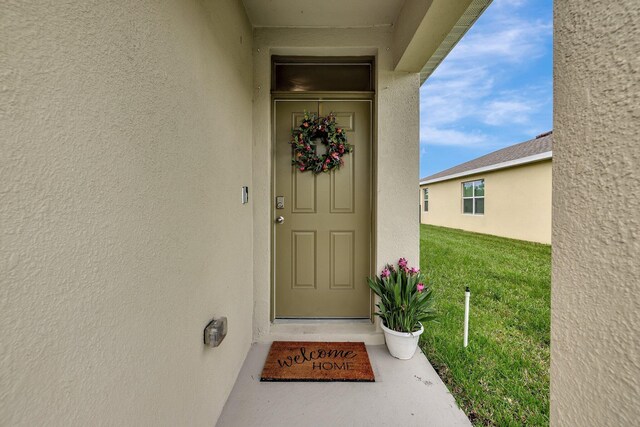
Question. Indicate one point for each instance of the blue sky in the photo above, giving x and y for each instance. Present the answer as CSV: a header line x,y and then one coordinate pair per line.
x,y
495,88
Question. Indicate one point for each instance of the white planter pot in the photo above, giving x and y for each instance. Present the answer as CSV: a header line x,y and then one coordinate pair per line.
x,y
401,345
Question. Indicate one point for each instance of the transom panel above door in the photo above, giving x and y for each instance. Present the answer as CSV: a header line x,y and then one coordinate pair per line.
x,y
322,222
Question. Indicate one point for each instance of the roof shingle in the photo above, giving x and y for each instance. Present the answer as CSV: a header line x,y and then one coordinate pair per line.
x,y
541,144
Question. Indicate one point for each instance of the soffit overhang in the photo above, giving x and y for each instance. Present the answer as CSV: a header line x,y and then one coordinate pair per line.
x,y
325,14
424,31
437,37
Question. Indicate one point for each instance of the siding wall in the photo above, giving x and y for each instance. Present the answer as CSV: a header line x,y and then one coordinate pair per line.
x,y
517,203
595,287
126,137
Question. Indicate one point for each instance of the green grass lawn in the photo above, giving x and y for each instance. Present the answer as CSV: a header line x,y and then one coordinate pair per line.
x,y
502,377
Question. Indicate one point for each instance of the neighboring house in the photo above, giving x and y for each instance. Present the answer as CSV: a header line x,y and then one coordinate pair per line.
x,y
129,129
506,193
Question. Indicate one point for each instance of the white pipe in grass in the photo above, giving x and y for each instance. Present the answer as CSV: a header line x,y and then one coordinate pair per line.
x,y
467,294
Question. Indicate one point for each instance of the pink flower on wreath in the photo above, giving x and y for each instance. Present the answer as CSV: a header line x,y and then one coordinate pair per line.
x,y
420,287
413,271
385,273
402,263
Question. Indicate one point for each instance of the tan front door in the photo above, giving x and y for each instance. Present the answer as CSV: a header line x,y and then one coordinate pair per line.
x,y
323,245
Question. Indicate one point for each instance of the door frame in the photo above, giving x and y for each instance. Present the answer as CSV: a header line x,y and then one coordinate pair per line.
x,y
319,97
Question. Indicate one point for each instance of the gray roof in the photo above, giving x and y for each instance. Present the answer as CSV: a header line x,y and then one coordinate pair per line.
x,y
540,144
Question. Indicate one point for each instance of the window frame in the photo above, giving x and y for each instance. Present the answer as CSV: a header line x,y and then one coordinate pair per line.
x,y
475,183
425,199
294,65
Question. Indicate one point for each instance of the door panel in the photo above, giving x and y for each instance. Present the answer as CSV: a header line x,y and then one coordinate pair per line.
x,y
343,187
342,248
304,193
323,247
303,259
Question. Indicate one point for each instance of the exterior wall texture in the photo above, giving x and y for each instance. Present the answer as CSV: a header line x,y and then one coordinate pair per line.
x,y
595,317
396,141
517,203
125,142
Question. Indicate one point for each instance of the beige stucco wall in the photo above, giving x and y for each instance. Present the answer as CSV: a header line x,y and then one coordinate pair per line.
x,y
396,113
517,203
595,288
125,142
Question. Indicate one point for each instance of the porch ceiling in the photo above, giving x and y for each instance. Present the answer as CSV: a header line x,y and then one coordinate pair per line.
x,y
329,13
424,31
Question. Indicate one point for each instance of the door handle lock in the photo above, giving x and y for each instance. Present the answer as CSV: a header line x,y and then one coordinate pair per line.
x,y
280,220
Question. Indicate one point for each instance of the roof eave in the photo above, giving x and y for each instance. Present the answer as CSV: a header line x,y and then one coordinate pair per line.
x,y
475,9
504,165
420,45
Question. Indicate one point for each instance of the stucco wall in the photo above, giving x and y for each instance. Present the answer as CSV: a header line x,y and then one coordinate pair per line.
x,y
396,113
125,142
517,203
595,290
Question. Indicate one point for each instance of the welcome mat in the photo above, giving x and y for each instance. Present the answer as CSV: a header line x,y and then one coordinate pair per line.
x,y
317,361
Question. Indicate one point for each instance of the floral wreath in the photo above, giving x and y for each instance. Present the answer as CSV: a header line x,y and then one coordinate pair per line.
x,y
304,145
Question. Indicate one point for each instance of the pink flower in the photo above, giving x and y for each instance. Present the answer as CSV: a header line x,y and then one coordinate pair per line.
x,y
420,287
385,273
413,271
402,263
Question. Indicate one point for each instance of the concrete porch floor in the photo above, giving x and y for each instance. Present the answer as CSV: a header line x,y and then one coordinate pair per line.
x,y
406,393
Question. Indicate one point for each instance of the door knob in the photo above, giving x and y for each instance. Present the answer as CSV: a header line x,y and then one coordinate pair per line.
x,y
280,219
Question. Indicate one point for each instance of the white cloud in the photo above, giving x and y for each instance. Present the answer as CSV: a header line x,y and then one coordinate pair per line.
x,y
468,86
509,40
436,136
504,111
447,100
510,4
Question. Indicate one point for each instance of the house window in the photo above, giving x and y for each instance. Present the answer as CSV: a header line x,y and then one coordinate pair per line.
x,y
426,199
321,74
473,197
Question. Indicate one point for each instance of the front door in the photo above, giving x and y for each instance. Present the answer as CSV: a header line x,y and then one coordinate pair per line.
x,y
323,242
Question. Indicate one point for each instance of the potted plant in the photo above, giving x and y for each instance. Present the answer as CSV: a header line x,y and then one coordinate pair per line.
x,y
406,302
